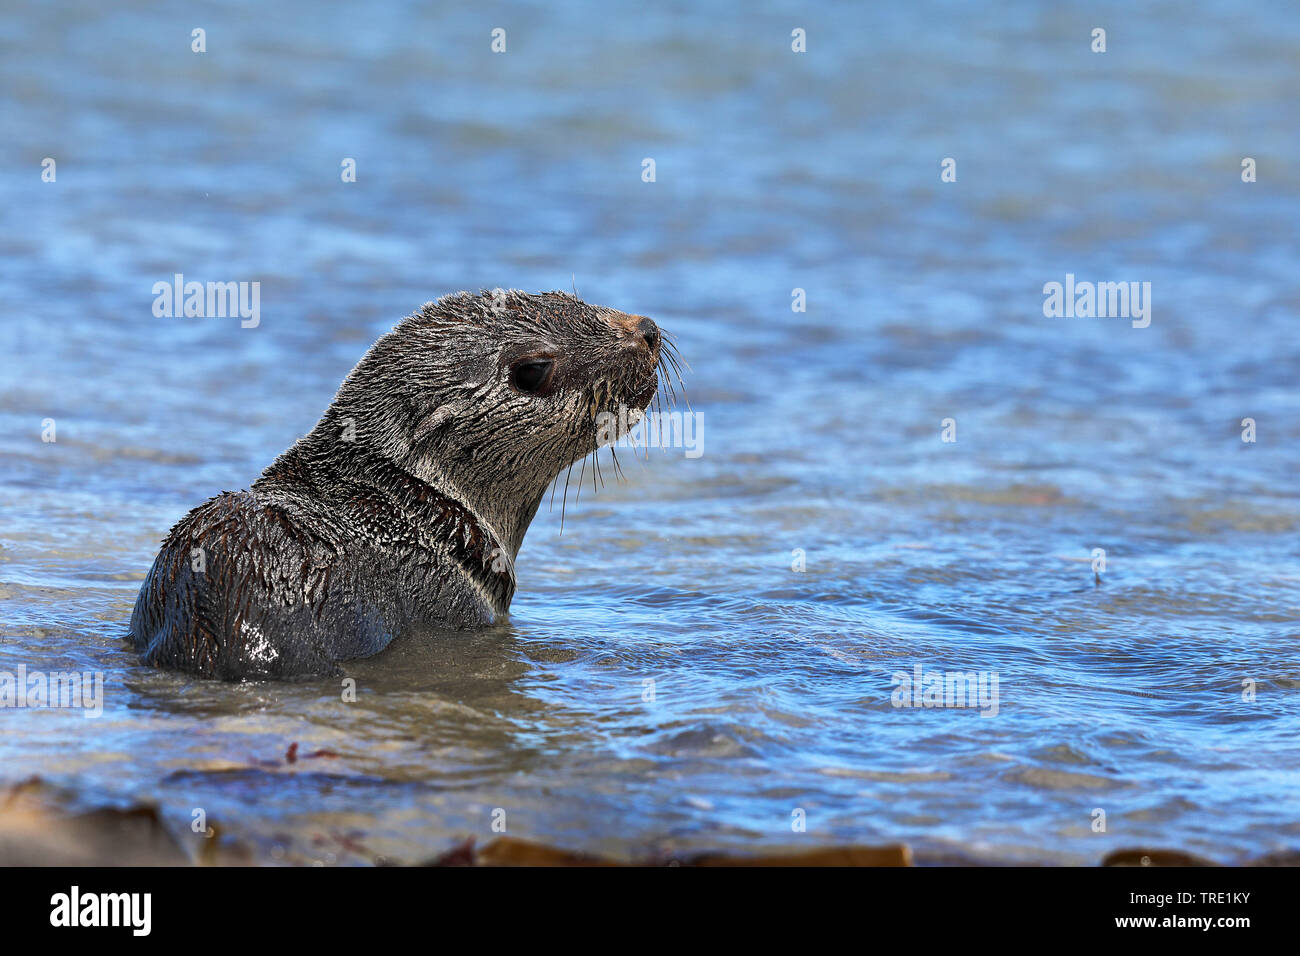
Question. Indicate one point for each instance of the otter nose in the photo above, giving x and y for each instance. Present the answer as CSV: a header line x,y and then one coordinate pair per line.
x,y
649,331
639,326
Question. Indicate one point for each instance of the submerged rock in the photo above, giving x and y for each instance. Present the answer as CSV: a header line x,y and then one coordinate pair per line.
x,y
36,831
510,851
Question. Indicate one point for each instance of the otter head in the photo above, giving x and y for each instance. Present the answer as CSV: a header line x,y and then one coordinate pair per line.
x,y
490,397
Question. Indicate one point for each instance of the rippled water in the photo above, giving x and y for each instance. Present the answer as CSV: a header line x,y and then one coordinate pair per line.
x,y
772,688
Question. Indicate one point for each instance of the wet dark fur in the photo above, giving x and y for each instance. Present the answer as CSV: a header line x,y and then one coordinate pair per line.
x,y
406,504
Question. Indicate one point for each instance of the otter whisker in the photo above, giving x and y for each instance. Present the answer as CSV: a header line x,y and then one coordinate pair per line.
x,y
671,341
668,346
631,437
666,382
669,351
564,502
675,360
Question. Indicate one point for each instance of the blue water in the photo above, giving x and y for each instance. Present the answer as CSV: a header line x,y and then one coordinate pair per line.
x,y
822,430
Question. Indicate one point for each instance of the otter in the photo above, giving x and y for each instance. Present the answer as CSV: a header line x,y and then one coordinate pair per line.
x,y
406,505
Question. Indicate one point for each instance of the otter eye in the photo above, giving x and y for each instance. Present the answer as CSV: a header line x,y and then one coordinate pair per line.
x,y
531,375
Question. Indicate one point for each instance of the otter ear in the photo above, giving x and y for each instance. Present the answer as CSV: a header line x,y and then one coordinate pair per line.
x,y
431,423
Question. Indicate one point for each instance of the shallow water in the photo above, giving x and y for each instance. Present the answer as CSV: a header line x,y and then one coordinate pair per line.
x,y
821,429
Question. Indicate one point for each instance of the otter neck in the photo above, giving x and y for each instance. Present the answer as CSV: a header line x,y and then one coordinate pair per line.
x,y
400,505
505,508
